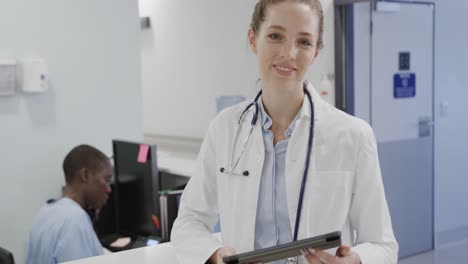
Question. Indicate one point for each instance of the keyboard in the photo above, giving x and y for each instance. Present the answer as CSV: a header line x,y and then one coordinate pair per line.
x,y
140,241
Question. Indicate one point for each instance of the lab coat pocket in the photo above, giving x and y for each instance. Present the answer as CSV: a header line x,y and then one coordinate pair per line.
x,y
329,200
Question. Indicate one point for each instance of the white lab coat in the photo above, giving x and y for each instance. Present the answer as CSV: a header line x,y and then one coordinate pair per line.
x,y
344,190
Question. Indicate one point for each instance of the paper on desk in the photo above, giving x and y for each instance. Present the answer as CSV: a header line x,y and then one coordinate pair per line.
x,y
121,242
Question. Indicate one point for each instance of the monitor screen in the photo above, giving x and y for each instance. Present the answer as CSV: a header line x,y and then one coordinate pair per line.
x,y
137,186
152,242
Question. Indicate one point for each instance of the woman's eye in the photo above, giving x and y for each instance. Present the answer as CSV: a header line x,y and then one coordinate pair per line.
x,y
305,42
274,36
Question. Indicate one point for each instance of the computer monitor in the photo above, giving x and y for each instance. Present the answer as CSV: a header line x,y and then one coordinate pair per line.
x,y
137,187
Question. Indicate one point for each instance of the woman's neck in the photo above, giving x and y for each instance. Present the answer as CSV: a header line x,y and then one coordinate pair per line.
x,y
282,105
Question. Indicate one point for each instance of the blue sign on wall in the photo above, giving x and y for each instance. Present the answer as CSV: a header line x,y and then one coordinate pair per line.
x,y
404,85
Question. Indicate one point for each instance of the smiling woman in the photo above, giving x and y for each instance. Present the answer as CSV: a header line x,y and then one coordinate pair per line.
x,y
286,39
258,166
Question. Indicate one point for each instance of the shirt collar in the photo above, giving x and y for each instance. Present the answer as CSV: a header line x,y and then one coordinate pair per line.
x,y
267,122
266,119
305,109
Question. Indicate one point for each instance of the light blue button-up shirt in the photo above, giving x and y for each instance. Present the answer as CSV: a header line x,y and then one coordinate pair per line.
x,y
272,226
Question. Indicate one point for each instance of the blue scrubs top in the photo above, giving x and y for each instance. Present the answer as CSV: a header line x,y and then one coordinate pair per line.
x,y
62,231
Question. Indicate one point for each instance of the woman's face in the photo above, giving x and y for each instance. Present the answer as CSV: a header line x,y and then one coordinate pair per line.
x,y
285,44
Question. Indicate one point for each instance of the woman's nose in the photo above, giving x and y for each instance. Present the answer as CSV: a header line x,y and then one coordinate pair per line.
x,y
288,51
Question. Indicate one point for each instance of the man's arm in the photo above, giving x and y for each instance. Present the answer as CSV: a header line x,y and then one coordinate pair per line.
x,y
76,240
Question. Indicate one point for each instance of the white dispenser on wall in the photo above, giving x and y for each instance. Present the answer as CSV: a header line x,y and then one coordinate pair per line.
x,y
33,76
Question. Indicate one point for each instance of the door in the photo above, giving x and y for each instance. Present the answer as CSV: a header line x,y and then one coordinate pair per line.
x,y
401,114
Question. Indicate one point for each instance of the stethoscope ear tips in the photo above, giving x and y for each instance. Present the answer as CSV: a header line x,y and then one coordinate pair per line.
x,y
245,173
221,170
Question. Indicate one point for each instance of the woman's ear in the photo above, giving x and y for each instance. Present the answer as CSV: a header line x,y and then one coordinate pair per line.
x,y
252,41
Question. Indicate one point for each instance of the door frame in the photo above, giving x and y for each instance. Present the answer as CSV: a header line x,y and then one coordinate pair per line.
x,y
344,72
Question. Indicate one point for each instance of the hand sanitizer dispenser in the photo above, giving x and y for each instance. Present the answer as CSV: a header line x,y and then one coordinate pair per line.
x,y
33,76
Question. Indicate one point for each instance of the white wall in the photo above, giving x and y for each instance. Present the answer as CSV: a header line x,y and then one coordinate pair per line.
x,y
92,51
196,51
451,143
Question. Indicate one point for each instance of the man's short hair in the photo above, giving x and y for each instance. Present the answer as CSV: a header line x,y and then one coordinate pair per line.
x,y
83,156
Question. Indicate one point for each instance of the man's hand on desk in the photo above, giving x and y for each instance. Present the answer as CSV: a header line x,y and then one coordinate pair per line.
x,y
217,257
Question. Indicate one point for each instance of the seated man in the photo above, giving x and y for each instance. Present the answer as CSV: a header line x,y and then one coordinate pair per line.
x,y
62,230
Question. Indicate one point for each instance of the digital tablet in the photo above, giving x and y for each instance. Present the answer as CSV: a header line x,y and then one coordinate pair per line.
x,y
284,251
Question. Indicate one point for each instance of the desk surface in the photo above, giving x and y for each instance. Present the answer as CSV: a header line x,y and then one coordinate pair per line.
x,y
179,163
163,253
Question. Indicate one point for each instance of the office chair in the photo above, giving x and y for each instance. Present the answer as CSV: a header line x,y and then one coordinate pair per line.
x,y
6,257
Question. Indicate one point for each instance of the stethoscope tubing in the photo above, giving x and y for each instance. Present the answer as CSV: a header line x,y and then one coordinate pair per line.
x,y
307,162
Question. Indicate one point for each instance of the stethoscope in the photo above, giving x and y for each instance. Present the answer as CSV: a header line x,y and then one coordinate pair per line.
x,y
235,162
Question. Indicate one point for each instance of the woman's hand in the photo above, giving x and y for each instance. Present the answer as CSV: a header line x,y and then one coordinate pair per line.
x,y
344,255
217,257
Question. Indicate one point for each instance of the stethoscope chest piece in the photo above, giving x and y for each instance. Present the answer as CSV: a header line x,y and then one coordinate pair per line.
x,y
244,173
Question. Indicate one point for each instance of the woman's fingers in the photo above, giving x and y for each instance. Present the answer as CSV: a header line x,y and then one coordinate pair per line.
x,y
318,257
311,258
224,252
343,251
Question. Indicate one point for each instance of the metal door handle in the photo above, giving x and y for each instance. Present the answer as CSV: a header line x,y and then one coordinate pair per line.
x,y
425,126
426,123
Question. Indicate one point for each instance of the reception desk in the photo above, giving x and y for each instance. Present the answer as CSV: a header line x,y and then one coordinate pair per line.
x,y
162,253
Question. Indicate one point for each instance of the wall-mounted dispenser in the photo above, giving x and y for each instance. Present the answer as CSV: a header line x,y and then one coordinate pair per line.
x,y
33,75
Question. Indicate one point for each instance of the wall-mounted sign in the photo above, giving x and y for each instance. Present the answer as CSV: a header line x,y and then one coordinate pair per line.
x,y
404,85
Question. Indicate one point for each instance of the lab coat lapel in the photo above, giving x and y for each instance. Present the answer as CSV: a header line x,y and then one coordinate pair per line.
x,y
295,161
296,157
255,155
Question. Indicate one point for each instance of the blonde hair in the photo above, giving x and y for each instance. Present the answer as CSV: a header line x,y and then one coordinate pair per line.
x,y
261,7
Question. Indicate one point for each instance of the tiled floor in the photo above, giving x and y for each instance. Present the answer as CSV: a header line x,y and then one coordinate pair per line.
x,y
452,254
